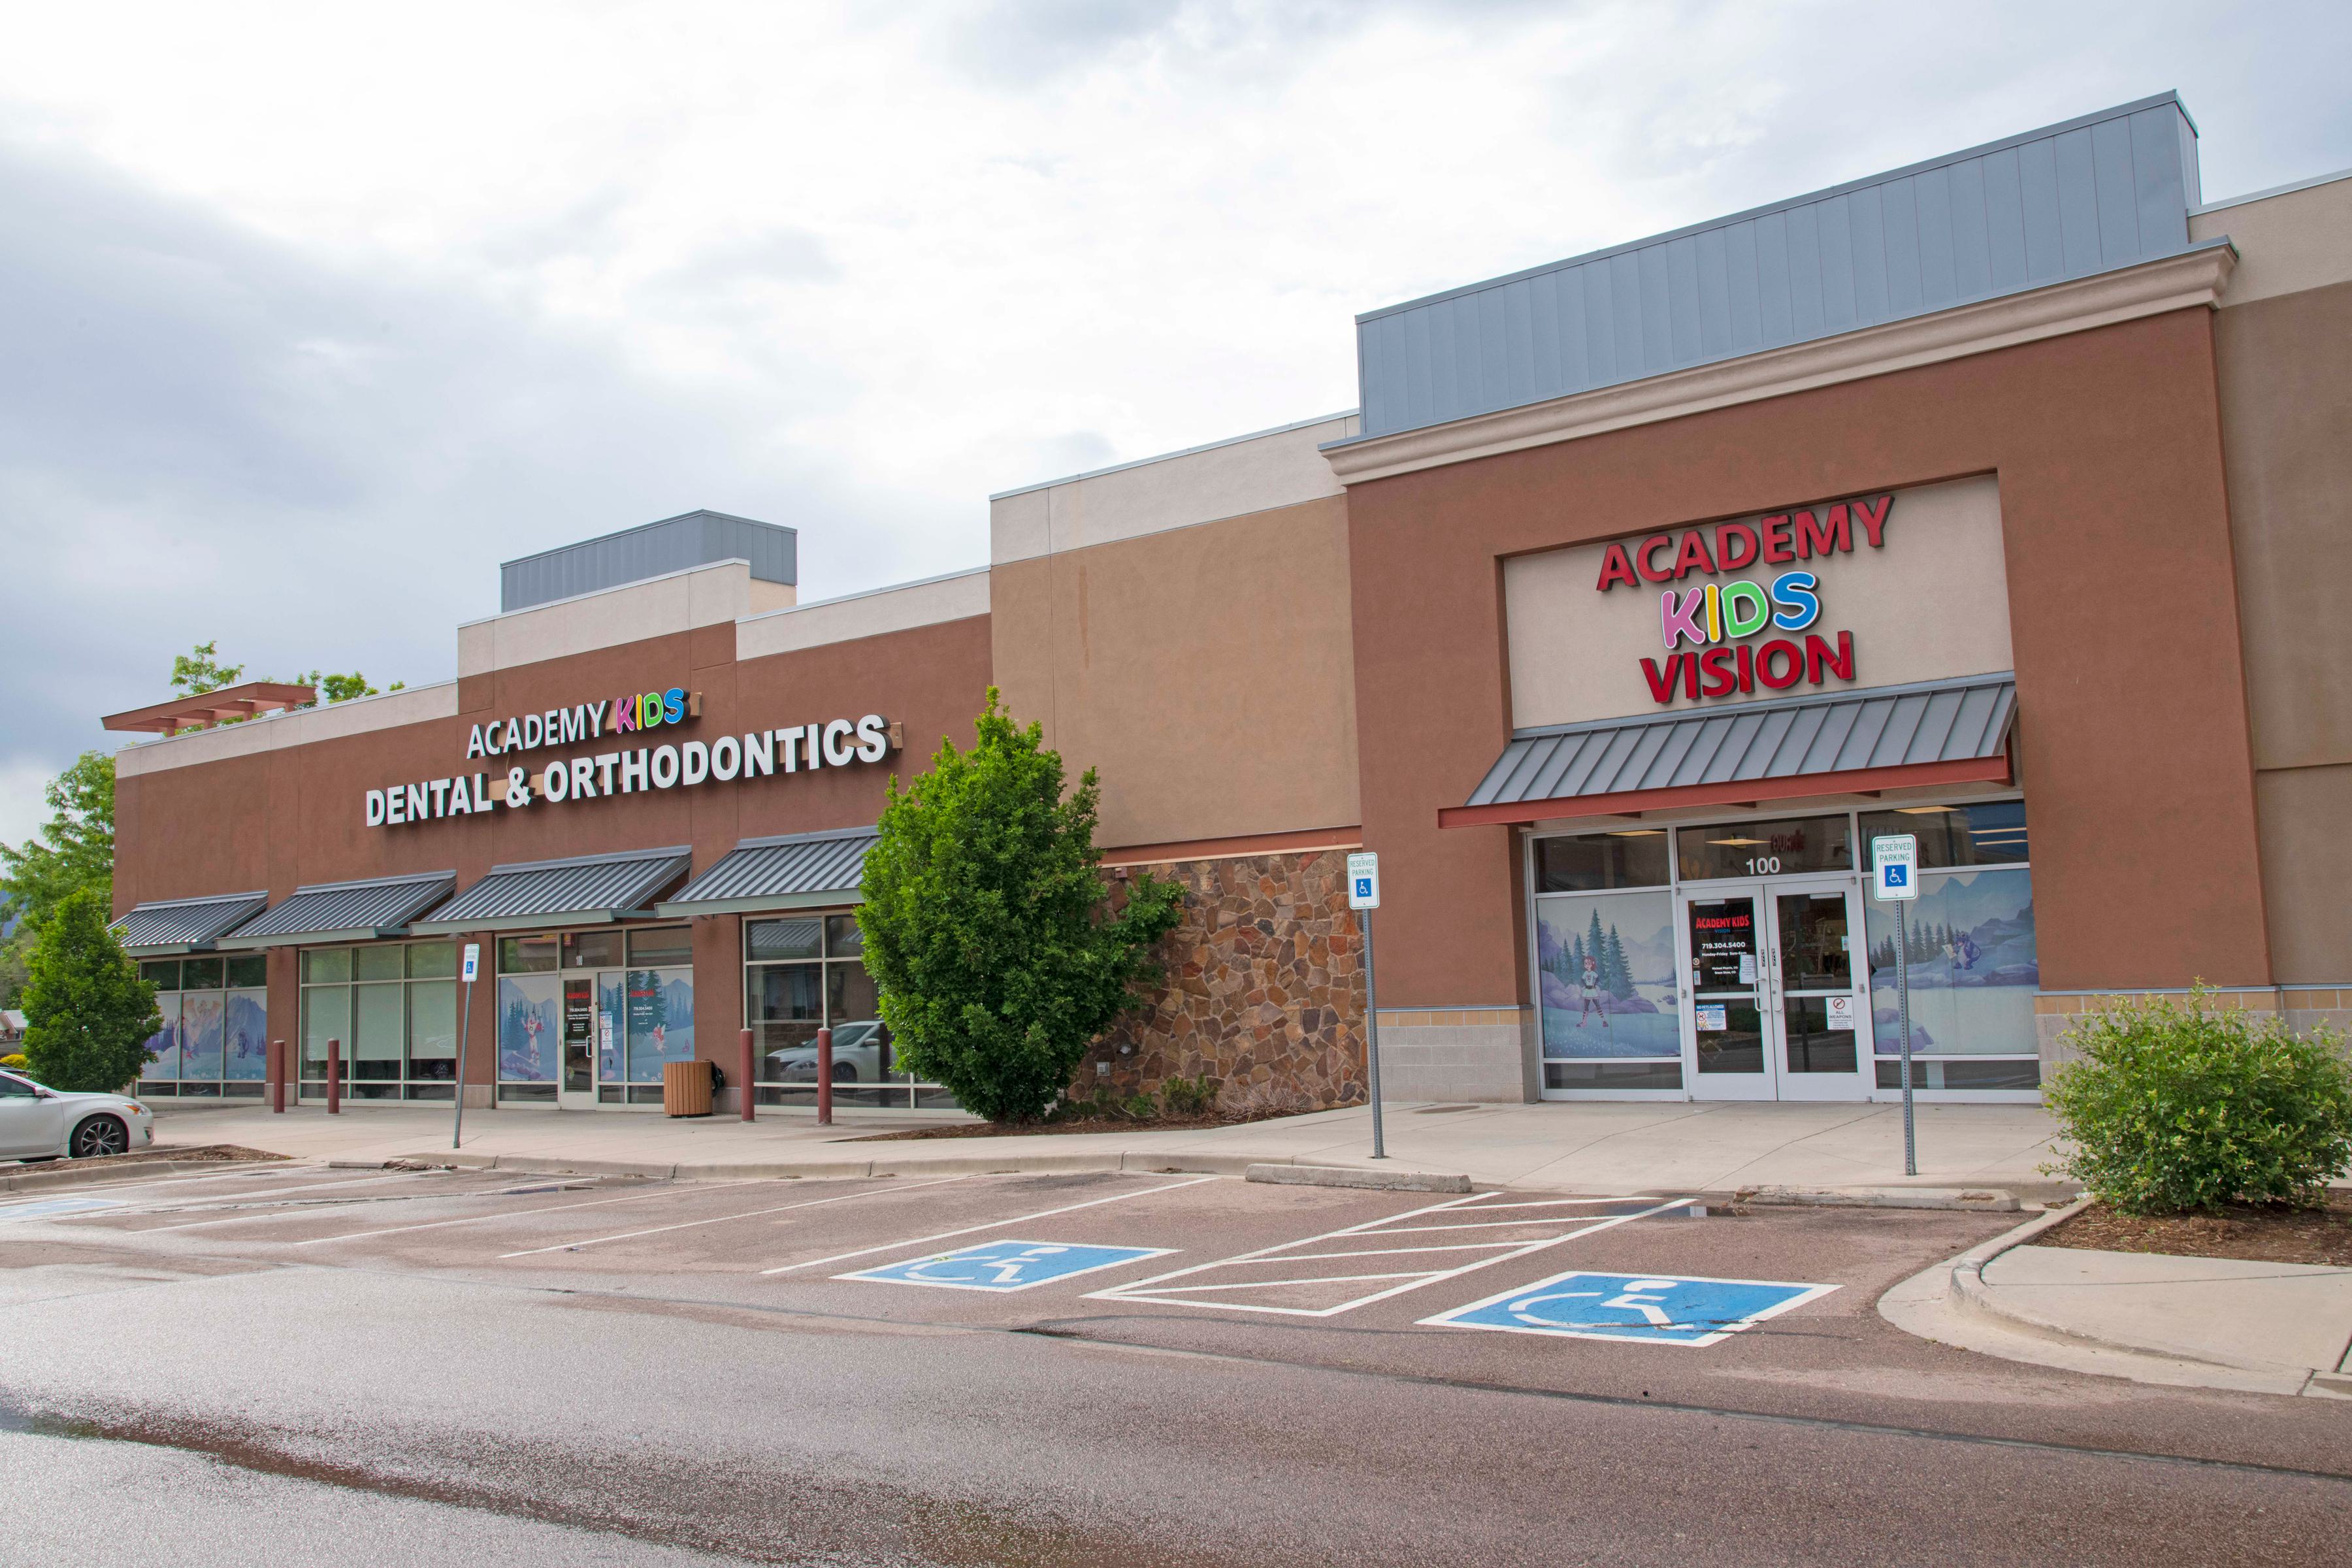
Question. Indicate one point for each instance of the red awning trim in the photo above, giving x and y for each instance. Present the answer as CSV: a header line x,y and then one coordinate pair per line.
x,y
1735,791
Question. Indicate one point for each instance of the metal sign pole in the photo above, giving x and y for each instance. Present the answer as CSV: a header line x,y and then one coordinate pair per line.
x,y
1903,1003
464,1037
1372,1040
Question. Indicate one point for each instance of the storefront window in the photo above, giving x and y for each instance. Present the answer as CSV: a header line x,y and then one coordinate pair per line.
x,y
1592,862
1774,848
804,972
1605,968
213,1039
1983,833
594,1013
394,1007
1973,973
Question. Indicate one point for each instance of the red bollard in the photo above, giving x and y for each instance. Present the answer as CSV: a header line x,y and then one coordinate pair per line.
x,y
825,1077
744,1082
277,1078
334,1077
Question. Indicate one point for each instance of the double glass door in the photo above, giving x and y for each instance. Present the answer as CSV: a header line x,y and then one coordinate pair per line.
x,y
1772,1005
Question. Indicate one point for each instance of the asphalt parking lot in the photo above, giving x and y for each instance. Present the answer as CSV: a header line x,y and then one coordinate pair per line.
x,y
1603,1309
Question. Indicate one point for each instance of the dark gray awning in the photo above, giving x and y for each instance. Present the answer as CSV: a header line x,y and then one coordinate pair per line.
x,y
345,912
1889,737
794,871
166,926
586,889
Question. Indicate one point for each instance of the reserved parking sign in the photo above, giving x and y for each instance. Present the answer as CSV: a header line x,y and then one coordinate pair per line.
x,y
1894,867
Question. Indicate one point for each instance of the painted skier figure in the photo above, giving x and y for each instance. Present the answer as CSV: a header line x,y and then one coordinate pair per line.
x,y
1590,985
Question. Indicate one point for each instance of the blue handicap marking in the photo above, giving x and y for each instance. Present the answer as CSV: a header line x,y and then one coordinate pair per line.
x,y
1652,1309
1898,876
1006,1265
52,1208
1363,887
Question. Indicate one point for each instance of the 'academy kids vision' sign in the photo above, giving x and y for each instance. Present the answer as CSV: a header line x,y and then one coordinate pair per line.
x,y
759,754
1716,617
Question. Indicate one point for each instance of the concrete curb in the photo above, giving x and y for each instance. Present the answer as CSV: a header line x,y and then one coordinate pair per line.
x,y
87,1175
1971,1293
1349,1176
1985,1200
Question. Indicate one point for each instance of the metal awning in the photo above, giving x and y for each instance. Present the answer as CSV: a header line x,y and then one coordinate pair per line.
x,y
583,891
163,927
1847,743
793,871
345,912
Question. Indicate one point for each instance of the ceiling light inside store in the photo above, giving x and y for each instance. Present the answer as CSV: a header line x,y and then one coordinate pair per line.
x,y
1924,810
1637,833
1741,843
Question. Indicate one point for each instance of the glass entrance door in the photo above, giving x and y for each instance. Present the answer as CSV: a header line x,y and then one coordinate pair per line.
x,y
576,1090
1727,1015
1818,1010
1771,1008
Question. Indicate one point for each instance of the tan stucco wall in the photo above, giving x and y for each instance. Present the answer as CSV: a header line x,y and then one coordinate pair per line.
x,y
1933,602
2283,359
1207,671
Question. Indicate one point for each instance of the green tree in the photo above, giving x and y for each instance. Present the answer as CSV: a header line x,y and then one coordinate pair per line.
x,y
989,928
200,670
74,850
87,1016
15,960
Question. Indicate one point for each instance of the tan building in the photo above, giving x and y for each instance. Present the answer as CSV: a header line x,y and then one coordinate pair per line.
x,y
1994,502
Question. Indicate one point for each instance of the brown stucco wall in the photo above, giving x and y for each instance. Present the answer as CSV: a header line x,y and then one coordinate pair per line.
x,y
281,818
2287,402
2132,714
1205,670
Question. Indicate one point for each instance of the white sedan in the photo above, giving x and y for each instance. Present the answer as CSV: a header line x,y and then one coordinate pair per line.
x,y
37,1122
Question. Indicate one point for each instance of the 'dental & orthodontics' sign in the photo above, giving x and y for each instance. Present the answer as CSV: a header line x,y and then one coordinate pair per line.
x,y
624,770
1715,618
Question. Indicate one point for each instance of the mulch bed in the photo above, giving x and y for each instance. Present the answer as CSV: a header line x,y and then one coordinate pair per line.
x,y
1010,1130
225,1154
2257,1234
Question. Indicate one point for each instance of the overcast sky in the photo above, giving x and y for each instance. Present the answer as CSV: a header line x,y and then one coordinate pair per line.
x,y
311,316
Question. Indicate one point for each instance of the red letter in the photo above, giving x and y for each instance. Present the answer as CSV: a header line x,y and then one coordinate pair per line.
x,y
1747,668
1824,538
1721,679
1616,569
1776,540
1693,557
1781,648
1817,658
1645,557
1690,675
1874,523
1730,533
1661,681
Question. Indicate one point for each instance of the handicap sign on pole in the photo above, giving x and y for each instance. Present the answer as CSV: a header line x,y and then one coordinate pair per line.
x,y
1650,1309
1006,1265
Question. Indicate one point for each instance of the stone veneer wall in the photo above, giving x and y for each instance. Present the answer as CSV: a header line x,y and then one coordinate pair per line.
x,y
1263,991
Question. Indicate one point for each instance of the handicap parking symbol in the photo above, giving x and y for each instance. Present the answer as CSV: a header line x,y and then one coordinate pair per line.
x,y
1006,1265
55,1208
1651,1308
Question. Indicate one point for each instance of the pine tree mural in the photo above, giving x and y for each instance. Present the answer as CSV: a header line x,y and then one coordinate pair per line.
x,y
1616,973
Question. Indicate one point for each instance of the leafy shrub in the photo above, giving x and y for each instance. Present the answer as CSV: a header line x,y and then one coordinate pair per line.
x,y
1190,1096
2178,1106
87,1016
14,1061
990,929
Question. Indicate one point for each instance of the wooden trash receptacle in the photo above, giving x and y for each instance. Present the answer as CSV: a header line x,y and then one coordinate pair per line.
x,y
686,1088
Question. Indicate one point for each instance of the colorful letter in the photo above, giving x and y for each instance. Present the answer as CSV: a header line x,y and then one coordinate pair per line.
x,y
1800,606
1759,610
1681,621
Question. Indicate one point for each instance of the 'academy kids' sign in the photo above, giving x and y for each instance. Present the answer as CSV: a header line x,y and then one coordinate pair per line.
x,y
623,769
1716,618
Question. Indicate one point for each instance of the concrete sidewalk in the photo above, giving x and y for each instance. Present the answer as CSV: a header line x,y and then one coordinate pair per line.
x,y
1587,1147
2204,1323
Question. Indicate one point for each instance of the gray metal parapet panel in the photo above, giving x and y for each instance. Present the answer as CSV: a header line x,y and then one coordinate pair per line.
x,y
673,544
2107,191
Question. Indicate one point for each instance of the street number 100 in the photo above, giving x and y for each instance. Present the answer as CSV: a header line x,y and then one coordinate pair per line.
x,y
1763,865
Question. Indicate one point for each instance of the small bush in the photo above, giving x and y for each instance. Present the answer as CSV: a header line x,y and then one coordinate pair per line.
x,y
2180,1106
15,1063
1190,1096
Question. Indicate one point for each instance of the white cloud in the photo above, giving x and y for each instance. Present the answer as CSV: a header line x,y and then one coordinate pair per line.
x,y
315,315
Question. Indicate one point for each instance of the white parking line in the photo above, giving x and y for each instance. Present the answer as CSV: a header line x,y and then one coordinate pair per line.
x,y
992,1225
722,1219
516,1213
1157,1291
